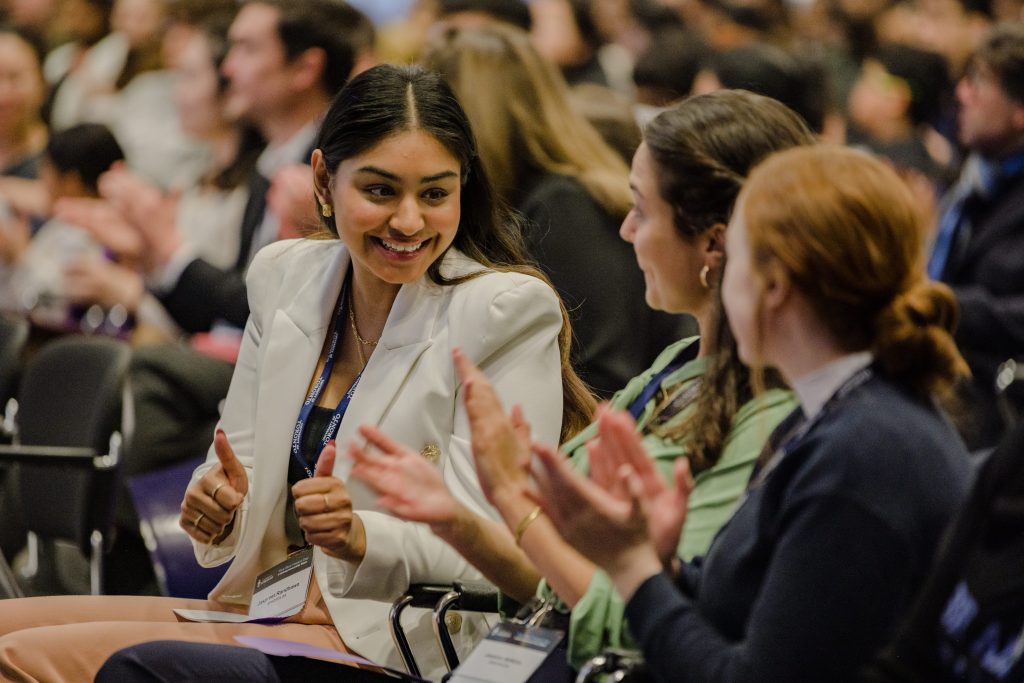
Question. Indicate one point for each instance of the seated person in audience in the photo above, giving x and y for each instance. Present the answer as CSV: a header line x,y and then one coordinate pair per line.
x,y
979,243
286,60
795,81
205,215
343,332
38,270
839,525
23,133
695,405
33,268
893,106
550,164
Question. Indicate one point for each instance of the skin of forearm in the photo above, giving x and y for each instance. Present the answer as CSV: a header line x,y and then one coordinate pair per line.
x,y
489,547
567,572
632,568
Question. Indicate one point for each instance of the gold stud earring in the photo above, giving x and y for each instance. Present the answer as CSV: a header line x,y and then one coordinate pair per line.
x,y
704,276
325,209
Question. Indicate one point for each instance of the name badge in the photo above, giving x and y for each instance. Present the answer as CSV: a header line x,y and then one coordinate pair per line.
x,y
279,593
510,653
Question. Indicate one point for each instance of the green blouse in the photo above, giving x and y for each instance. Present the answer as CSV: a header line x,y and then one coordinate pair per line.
x,y
597,620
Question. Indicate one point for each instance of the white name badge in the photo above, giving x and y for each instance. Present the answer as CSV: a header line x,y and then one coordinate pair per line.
x,y
279,593
509,654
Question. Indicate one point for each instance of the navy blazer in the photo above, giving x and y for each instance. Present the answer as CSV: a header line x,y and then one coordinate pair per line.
x,y
809,577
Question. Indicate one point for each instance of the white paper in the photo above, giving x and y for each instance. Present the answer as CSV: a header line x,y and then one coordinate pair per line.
x,y
211,616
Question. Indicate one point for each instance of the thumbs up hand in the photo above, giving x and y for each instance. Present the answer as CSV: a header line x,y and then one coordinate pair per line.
x,y
208,510
324,509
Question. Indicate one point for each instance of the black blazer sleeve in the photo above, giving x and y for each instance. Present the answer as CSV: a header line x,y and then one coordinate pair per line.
x,y
204,293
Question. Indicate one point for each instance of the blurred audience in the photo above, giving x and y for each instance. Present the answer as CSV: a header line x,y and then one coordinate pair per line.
x,y
550,164
23,133
979,246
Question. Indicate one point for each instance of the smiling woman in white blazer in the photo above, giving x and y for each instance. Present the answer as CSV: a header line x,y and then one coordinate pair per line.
x,y
426,263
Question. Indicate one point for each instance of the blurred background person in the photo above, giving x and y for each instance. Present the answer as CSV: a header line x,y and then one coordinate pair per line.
x,y
551,165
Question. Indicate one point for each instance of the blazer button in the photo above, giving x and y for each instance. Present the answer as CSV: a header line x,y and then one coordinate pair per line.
x,y
432,453
453,620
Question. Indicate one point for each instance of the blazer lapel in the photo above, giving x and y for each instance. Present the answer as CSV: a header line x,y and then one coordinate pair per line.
x,y
293,345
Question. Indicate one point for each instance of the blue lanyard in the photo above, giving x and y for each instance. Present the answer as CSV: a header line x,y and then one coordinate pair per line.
x,y
636,408
314,394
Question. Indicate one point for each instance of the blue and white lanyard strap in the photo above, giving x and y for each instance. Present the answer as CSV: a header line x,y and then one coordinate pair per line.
x,y
794,439
314,394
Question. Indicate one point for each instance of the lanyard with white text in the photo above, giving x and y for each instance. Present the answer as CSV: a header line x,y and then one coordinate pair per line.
x,y
314,394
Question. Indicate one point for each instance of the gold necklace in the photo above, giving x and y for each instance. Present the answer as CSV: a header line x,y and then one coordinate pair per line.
x,y
361,342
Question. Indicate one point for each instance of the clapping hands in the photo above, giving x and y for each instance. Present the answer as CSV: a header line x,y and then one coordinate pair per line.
x,y
625,514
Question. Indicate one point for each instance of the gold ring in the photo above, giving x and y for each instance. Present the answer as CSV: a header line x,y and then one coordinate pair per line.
x,y
214,494
327,508
199,519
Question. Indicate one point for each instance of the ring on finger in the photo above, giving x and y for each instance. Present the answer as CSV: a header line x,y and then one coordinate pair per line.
x,y
198,519
214,493
327,507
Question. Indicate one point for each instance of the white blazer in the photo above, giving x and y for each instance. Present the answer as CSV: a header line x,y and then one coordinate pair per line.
x,y
507,323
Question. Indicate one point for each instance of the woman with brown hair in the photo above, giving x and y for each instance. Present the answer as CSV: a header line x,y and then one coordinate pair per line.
x,y
694,405
839,524
551,165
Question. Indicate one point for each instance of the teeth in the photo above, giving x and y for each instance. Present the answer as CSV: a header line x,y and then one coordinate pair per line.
x,y
402,248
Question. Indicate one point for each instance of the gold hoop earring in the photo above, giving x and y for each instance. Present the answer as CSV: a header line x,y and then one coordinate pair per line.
x,y
703,277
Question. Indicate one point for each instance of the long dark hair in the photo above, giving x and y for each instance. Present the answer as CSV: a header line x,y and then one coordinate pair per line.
x,y
703,149
387,100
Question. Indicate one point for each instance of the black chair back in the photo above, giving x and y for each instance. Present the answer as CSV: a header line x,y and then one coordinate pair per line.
x,y
71,396
13,336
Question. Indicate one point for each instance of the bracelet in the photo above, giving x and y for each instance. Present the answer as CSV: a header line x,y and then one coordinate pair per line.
x,y
525,522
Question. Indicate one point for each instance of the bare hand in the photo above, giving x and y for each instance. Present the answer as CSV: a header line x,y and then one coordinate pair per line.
x,y
615,520
290,198
105,223
96,281
151,212
15,236
410,487
501,444
208,510
324,509
619,446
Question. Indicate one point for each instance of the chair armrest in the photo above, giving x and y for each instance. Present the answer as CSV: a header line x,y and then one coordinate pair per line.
x,y
51,455
476,596
426,595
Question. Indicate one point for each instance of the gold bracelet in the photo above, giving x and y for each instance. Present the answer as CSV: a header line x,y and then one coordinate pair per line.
x,y
526,521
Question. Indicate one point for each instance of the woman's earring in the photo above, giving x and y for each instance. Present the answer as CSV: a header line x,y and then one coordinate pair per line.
x,y
703,277
325,209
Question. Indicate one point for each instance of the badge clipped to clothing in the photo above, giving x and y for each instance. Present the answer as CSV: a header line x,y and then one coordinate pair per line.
x,y
279,592
514,649
510,653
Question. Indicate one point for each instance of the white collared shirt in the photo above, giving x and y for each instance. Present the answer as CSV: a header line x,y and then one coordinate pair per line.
x,y
815,389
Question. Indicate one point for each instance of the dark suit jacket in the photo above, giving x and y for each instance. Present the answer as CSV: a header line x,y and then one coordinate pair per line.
x,y
205,293
986,273
821,559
